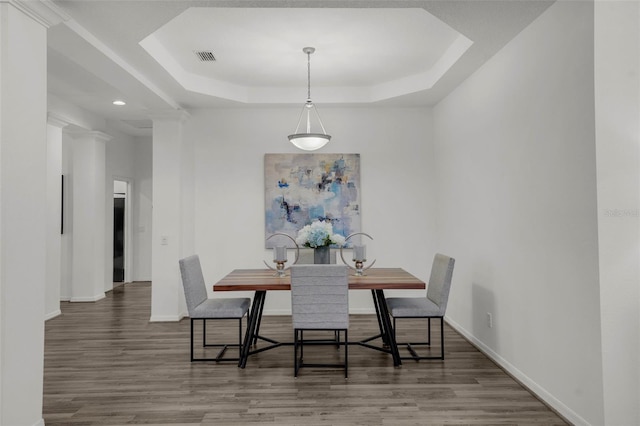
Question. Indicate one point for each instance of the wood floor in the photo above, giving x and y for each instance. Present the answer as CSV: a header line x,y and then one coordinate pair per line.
x,y
106,364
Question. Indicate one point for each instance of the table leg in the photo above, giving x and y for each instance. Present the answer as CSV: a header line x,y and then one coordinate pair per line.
x,y
254,320
388,328
376,305
257,328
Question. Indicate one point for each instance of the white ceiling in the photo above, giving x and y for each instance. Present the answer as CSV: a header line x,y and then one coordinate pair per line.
x,y
363,55
401,53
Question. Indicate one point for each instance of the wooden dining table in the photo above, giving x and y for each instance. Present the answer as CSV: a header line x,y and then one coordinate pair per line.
x,y
260,281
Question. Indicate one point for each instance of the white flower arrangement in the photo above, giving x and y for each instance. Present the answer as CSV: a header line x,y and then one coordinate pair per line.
x,y
319,234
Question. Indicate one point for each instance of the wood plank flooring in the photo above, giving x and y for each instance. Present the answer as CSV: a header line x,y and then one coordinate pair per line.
x,y
106,364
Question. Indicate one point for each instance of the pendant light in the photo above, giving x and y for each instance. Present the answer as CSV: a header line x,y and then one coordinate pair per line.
x,y
309,141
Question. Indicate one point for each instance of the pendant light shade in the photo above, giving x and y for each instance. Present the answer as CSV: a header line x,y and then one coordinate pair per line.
x,y
309,141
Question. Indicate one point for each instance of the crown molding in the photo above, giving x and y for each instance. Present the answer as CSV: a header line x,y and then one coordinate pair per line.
x,y
93,134
57,120
45,12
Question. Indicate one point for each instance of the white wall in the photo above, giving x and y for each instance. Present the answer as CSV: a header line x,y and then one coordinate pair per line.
x,y
617,94
515,149
142,204
397,174
23,177
54,212
66,257
172,234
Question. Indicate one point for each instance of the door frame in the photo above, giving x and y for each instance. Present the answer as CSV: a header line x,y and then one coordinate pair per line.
x,y
128,226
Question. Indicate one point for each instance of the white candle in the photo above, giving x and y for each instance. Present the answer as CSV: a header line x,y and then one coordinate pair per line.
x,y
359,253
279,253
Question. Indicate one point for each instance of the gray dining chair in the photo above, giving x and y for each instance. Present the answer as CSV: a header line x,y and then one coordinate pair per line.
x,y
201,308
432,306
319,301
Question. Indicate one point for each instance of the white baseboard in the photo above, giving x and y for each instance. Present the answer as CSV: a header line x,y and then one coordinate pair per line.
x,y
39,423
540,392
88,299
52,314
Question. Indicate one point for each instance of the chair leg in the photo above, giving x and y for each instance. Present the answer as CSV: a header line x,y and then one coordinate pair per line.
x,y
410,345
442,338
298,352
346,354
295,353
223,346
191,340
204,332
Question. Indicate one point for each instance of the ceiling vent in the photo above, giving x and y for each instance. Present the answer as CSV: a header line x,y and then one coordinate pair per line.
x,y
205,56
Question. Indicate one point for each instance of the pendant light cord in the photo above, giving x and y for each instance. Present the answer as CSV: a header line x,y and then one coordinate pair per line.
x,y
308,76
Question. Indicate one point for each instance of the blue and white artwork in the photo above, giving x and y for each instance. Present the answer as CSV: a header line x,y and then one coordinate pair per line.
x,y
301,188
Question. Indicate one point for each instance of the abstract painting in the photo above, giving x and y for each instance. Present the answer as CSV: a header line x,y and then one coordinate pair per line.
x,y
300,188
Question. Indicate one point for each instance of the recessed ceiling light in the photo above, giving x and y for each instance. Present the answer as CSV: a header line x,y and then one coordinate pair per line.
x,y
119,103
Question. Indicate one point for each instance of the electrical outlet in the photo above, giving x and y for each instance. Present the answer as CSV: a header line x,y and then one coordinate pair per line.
x,y
489,319
164,240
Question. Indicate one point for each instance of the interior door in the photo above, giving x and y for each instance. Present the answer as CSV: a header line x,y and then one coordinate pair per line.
x,y
118,239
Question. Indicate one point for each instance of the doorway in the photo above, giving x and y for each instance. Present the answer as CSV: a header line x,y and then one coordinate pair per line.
x,y
120,226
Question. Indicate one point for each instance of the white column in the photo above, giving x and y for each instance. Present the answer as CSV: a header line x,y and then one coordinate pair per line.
x,y
171,211
66,254
89,235
617,124
54,216
23,206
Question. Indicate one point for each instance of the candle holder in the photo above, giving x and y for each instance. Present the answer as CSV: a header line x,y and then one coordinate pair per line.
x,y
280,256
359,255
280,268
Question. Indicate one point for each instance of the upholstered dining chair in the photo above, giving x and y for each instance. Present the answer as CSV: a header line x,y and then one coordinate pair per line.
x,y
432,306
319,301
201,308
